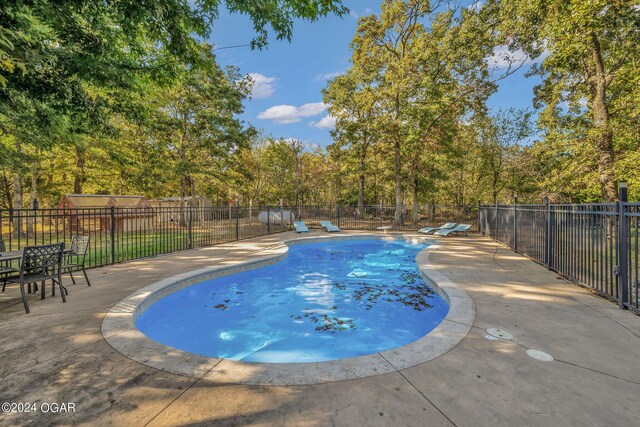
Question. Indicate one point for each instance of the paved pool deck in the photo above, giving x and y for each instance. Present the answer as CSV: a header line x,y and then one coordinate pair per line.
x,y
58,354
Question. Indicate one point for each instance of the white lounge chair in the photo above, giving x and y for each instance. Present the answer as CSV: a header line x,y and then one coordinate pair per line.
x,y
327,226
460,228
447,226
300,227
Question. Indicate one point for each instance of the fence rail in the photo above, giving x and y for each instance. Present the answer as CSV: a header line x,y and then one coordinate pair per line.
x,y
124,234
593,245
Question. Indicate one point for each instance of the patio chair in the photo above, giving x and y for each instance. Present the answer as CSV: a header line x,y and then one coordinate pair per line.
x,y
5,267
39,264
327,226
300,227
460,228
75,258
447,226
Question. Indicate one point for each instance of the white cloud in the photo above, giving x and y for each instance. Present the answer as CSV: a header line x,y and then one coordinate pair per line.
x,y
286,114
476,5
263,86
328,76
503,58
327,122
582,102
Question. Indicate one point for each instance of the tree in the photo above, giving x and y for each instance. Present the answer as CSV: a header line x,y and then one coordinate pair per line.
x,y
67,67
499,139
194,122
351,102
426,69
589,68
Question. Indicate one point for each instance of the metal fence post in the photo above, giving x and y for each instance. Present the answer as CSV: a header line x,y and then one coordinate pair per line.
x,y
237,223
547,232
112,233
190,226
338,211
623,248
480,228
515,223
268,221
495,224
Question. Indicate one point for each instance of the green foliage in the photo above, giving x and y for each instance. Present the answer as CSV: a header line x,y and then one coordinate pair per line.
x,y
123,97
589,67
418,71
76,77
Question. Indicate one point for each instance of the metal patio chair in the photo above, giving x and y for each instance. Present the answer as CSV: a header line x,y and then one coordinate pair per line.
x,y
5,267
39,264
75,258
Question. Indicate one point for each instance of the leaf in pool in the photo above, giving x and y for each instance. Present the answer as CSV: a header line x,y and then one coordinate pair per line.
x,y
334,324
339,286
227,300
221,307
333,308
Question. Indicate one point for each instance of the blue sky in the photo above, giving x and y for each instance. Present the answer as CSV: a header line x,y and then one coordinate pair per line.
x,y
287,101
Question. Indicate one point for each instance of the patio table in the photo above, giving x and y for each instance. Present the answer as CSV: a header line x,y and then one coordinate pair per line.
x,y
10,255
17,255
14,255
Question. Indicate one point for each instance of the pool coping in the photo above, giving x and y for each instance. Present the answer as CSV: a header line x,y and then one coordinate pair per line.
x,y
119,330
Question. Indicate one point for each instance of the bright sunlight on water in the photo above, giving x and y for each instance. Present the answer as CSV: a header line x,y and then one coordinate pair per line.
x,y
325,301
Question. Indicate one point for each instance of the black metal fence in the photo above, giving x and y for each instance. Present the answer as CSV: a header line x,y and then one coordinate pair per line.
x,y
593,245
124,234
374,217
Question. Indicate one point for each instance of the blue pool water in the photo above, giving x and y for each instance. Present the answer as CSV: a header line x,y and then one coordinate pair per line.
x,y
325,301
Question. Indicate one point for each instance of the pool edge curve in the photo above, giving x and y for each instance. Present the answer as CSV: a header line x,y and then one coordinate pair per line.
x,y
119,330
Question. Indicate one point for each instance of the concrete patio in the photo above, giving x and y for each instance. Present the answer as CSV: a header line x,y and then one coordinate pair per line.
x,y
57,354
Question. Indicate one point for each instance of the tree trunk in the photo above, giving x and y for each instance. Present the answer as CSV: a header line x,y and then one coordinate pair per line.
x,y
79,173
361,189
494,188
194,202
603,136
415,201
31,221
183,191
398,166
6,193
17,199
361,197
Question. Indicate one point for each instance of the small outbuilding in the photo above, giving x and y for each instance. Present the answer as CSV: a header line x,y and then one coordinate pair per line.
x,y
170,208
130,213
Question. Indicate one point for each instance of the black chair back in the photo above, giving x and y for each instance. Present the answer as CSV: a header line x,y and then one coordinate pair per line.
x,y
42,259
2,246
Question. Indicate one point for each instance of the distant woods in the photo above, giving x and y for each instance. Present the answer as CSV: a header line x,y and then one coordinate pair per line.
x,y
414,101
125,98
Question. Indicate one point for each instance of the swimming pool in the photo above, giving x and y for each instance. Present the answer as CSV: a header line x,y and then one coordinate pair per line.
x,y
324,301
